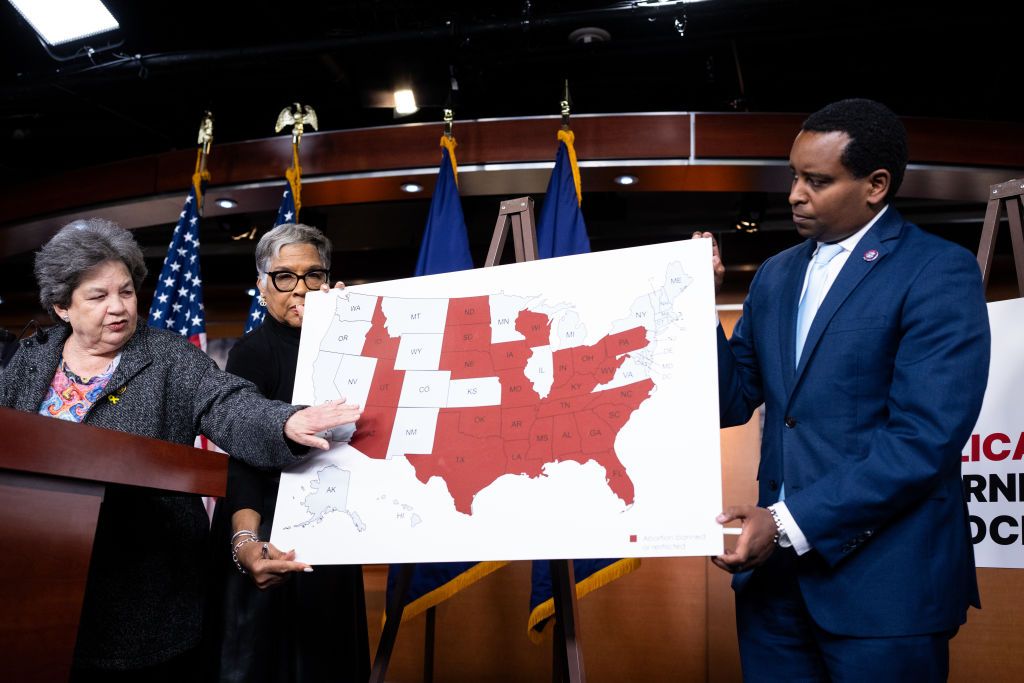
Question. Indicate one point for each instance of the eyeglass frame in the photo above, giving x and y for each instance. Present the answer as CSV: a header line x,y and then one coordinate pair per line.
x,y
273,278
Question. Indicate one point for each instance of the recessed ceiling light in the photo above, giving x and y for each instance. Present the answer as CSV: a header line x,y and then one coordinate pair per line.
x,y
61,21
226,203
626,180
411,187
405,102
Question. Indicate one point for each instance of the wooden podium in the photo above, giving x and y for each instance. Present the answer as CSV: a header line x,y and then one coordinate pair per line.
x,y
53,475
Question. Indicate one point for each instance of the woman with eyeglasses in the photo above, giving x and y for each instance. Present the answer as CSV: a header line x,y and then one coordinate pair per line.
x,y
311,627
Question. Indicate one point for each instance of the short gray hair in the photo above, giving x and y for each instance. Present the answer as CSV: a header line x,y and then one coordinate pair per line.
x,y
270,245
80,246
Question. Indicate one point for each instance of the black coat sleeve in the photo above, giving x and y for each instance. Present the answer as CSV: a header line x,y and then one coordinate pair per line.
x,y
247,485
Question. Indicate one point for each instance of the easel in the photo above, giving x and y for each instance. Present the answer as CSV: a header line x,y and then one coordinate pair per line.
x,y
515,216
1011,195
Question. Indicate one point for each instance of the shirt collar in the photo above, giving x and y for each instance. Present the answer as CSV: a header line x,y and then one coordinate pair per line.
x,y
850,242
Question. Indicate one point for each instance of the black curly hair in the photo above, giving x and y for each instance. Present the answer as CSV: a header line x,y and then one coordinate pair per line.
x,y
877,137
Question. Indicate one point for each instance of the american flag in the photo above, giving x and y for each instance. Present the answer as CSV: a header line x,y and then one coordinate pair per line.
x,y
178,302
286,213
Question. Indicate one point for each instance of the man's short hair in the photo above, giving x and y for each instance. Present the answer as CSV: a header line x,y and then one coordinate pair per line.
x,y
877,137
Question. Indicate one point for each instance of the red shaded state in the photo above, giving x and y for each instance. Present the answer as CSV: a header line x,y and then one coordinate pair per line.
x,y
536,327
515,453
510,355
466,338
565,438
516,389
565,404
466,364
616,477
386,387
478,422
469,310
380,344
596,435
619,343
516,423
587,359
373,431
540,440
466,464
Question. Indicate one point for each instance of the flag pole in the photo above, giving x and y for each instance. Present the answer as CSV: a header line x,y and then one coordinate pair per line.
x,y
298,117
205,142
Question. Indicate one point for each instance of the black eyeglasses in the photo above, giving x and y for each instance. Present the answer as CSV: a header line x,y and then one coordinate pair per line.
x,y
287,281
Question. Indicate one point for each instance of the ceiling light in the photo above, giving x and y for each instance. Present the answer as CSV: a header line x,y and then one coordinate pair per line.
x,y
411,187
626,180
62,21
226,203
405,102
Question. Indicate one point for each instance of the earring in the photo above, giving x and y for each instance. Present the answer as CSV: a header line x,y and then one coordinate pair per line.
x,y
67,318
261,301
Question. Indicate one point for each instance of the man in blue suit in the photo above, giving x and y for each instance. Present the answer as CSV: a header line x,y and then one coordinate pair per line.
x,y
868,345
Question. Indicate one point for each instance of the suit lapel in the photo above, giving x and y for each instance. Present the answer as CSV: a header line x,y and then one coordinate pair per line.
x,y
788,309
134,357
861,262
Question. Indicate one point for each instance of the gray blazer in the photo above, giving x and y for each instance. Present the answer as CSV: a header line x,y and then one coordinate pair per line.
x,y
144,597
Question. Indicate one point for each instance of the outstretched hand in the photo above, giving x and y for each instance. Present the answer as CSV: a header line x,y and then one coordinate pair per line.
x,y
272,569
716,258
304,425
756,542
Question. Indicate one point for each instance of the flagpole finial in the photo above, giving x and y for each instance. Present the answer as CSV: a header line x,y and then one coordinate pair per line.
x,y
296,116
449,120
206,132
565,104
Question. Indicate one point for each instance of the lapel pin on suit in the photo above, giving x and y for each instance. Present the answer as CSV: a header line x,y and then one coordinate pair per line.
x,y
870,255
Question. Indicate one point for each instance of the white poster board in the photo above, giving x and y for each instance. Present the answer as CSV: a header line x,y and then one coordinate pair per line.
x,y
564,408
993,459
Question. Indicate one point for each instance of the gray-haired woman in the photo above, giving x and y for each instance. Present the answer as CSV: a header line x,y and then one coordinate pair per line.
x,y
144,596
257,642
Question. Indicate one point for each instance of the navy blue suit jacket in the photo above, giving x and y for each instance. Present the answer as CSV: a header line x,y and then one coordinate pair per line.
x,y
867,431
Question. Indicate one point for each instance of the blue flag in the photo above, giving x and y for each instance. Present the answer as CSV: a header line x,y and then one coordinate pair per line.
x,y
445,248
562,232
286,213
178,301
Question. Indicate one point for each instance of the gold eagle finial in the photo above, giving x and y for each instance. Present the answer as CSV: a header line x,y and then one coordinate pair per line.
x,y
296,116
206,132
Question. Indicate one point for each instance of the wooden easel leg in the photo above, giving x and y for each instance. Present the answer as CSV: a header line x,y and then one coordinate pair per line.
x,y
563,585
393,613
1014,207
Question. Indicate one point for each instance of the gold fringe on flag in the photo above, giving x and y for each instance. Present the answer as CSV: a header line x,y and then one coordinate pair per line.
x,y
602,577
568,137
448,142
447,590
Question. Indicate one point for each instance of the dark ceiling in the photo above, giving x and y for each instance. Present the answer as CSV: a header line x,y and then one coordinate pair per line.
x,y
247,60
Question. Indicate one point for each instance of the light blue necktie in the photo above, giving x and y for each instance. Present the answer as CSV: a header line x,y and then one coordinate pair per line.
x,y
814,293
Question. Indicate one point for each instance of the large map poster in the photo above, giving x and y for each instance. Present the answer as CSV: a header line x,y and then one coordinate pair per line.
x,y
564,408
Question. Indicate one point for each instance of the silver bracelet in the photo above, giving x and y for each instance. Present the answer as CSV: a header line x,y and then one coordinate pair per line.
x,y
242,532
238,546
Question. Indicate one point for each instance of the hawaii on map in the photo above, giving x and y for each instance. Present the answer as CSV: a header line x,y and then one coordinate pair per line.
x,y
523,411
